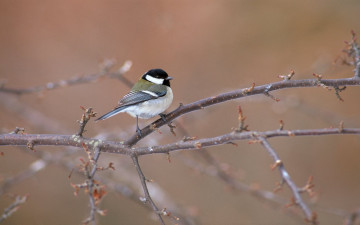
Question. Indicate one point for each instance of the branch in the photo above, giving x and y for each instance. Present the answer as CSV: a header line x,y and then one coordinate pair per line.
x,y
94,195
146,191
233,136
240,93
310,216
13,207
88,113
119,148
105,71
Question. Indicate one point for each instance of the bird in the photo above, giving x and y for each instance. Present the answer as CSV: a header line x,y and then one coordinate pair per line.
x,y
150,96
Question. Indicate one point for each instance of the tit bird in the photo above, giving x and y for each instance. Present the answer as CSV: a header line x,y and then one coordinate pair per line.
x,y
150,96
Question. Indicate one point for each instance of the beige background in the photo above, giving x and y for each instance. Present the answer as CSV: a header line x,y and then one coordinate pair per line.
x,y
209,47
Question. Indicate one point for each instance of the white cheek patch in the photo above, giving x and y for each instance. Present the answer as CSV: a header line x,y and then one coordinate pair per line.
x,y
150,93
154,80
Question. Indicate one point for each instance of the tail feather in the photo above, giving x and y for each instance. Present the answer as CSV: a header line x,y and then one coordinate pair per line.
x,y
110,114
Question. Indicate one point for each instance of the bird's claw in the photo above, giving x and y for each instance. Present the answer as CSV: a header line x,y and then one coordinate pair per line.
x,y
138,131
163,117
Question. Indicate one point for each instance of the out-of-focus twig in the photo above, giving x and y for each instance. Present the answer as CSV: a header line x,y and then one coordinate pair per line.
x,y
13,207
352,218
104,71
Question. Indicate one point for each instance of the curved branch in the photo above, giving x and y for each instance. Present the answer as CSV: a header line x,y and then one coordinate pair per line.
x,y
240,93
310,216
147,198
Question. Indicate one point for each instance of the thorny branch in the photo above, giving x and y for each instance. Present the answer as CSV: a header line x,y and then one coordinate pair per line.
x,y
119,148
127,187
297,200
143,180
95,191
88,113
240,93
126,148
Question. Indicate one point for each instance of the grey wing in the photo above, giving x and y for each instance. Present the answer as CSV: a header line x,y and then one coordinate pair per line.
x,y
136,97
133,98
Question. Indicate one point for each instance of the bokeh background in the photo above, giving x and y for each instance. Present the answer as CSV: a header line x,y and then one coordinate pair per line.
x,y
209,47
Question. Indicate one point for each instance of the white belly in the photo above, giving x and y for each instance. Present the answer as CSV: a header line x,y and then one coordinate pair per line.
x,y
151,108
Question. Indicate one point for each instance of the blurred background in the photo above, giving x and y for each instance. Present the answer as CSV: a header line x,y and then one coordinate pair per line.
x,y
209,47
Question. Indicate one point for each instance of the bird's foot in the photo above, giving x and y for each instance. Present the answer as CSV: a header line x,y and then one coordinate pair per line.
x,y
163,117
138,131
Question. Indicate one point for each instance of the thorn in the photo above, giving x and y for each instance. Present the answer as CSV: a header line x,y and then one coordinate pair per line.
x,y
30,145
70,174
288,76
276,164
292,203
168,157
278,187
233,143
198,145
313,219
18,130
242,127
337,92
249,89
341,126
172,127
254,141
281,125
319,83
185,139
291,134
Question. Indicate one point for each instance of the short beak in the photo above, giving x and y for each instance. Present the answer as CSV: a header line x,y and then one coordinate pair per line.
x,y
169,78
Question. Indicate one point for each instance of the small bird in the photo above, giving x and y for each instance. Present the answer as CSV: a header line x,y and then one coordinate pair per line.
x,y
150,96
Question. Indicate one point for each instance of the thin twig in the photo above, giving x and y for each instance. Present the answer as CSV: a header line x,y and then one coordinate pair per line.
x,y
75,80
145,188
356,50
90,173
13,207
287,179
353,217
86,116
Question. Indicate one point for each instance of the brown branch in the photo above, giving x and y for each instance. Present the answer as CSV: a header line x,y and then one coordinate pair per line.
x,y
90,174
119,148
233,136
105,71
310,216
145,188
240,93
86,116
